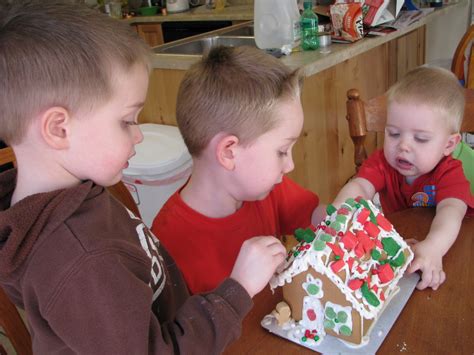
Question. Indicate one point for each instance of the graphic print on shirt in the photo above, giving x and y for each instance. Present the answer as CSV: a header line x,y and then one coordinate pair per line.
x,y
425,198
150,244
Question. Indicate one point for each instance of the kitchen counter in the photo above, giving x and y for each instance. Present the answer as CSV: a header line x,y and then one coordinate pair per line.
x,y
200,13
312,61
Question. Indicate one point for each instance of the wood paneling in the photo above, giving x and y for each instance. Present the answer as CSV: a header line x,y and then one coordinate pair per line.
x,y
152,33
160,104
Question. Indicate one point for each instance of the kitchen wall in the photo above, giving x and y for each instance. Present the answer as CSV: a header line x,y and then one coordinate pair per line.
x,y
444,33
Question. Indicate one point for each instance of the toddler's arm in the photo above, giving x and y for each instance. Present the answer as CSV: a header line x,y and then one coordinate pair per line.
x,y
319,214
257,261
356,187
443,233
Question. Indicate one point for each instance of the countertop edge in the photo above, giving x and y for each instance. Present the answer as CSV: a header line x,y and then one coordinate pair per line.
x,y
201,13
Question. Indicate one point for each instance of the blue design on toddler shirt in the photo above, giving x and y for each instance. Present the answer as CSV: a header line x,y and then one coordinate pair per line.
x,y
425,198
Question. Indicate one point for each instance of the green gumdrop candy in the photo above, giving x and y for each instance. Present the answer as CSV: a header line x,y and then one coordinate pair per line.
x,y
369,295
375,254
330,209
330,313
319,245
325,237
351,202
299,234
313,289
336,225
398,261
341,218
308,235
342,317
390,246
329,324
345,330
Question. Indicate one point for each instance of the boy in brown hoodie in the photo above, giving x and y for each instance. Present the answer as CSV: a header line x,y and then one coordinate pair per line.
x,y
90,275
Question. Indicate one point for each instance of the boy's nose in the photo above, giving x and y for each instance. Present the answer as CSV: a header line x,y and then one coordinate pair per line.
x,y
289,165
137,135
404,145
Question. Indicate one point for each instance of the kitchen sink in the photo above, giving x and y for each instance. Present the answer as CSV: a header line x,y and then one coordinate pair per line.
x,y
202,45
242,31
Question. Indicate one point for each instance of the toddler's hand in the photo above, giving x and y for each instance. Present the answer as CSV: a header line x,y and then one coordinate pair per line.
x,y
429,261
258,258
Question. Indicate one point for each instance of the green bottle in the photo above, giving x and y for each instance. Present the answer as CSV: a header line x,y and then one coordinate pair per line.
x,y
309,27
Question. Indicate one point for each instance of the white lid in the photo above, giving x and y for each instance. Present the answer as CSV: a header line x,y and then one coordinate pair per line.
x,y
162,150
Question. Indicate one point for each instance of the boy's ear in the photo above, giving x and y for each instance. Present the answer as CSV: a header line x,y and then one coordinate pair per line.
x,y
225,151
55,127
453,141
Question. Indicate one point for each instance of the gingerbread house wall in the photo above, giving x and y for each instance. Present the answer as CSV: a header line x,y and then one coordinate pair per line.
x,y
293,294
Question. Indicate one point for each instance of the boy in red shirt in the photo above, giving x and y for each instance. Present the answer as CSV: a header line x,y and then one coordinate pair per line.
x,y
90,275
240,114
415,167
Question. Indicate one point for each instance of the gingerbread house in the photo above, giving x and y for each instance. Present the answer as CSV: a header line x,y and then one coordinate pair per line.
x,y
341,274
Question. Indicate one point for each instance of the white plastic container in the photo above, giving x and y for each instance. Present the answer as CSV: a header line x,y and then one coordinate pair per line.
x,y
276,23
162,165
177,6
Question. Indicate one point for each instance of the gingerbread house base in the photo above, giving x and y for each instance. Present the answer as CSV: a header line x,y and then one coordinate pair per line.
x,y
293,331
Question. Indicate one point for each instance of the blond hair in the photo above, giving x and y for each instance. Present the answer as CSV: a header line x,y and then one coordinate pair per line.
x,y
233,90
434,87
59,53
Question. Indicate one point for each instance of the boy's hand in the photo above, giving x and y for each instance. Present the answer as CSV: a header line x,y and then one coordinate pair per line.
x,y
257,261
429,261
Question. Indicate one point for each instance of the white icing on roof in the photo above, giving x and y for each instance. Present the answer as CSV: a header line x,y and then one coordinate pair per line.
x,y
363,269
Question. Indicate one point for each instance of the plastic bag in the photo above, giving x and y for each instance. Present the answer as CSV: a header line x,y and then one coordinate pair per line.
x,y
347,21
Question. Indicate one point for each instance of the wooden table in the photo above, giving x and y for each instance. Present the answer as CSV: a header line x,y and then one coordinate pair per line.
x,y
432,322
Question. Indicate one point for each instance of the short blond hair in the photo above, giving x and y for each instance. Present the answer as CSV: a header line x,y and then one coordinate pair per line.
x,y
233,90
434,87
59,53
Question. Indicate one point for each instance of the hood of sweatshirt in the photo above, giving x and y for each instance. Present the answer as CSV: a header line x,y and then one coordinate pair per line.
x,y
23,223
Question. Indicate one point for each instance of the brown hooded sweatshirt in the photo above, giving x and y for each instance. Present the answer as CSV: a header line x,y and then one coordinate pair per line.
x,y
94,280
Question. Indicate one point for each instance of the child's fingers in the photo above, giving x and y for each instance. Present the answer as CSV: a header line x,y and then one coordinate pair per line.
x,y
443,277
426,279
411,241
435,281
438,279
278,249
414,266
273,245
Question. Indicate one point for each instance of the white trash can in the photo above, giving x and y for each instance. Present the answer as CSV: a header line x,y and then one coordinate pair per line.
x,y
162,165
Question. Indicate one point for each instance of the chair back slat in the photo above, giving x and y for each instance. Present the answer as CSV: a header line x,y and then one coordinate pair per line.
x,y
468,121
13,325
457,65
6,156
376,113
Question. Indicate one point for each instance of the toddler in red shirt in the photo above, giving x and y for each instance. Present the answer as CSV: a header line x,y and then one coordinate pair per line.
x,y
415,167
240,114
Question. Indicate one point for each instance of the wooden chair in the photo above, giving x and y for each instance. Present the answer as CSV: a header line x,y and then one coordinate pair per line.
x,y
13,326
10,319
464,59
370,116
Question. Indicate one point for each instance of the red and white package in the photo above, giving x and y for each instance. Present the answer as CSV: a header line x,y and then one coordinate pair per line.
x,y
347,20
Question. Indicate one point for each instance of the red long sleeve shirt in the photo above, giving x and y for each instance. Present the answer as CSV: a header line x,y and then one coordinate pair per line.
x,y
205,249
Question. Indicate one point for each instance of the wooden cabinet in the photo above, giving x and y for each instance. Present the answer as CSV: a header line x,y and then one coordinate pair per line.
x,y
152,33
324,153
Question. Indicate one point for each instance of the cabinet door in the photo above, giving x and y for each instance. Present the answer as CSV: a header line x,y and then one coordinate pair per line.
x,y
151,33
